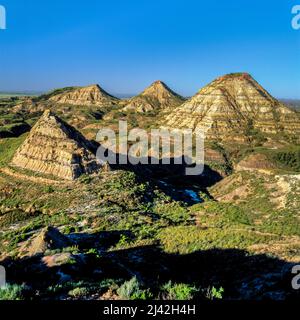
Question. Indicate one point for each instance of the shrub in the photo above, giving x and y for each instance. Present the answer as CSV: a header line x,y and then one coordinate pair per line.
x,y
85,179
73,249
214,293
123,242
11,292
78,292
49,189
130,290
289,158
94,252
180,291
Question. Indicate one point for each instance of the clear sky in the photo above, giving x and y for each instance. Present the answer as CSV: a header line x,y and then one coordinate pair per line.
x,y
124,45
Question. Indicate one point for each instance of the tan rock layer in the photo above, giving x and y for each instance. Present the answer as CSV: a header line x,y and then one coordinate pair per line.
x,y
258,162
226,108
53,147
155,97
91,95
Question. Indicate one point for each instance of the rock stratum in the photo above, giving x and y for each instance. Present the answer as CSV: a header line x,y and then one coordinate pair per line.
x,y
233,107
255,162
53,147
155,97
92,95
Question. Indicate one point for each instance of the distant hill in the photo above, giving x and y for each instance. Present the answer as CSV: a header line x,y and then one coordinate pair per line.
x,y
234,107
79,105
19,94
292,103
90,95
157,96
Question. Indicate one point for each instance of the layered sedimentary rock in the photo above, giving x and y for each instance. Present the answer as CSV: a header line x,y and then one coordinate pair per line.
x,y
255,162
212,155
155,97
53,147
85,96
233,107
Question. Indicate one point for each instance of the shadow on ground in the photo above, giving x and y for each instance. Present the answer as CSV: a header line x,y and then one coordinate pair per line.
x,y
172,179
243,276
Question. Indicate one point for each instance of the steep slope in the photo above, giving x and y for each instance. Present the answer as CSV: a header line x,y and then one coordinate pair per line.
x,y
255,162
90,95
233,107
53,147
155,97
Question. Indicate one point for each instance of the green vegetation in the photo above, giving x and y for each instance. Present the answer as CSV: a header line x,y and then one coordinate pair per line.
x,y
256,137
81,289
237,74
221,214
289,158
120,215
187,239
286,159
285,224
8,147
12,292
14,129
78,292
130,290
178,291
16,215
175,212
54,93
214,293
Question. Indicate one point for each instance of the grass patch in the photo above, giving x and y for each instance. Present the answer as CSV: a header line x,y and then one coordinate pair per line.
x,y
187,239
8,148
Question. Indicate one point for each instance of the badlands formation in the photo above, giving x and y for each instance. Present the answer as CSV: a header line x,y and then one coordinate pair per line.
x,y
232,107
96,236
53,147
85,96
155,97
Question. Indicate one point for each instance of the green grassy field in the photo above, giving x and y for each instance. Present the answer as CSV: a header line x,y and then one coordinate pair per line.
x,y
17,94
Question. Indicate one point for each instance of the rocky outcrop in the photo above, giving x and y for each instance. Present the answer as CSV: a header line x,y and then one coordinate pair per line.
x,y
58,260
92,95
211,155
255,162
48,239
55,148
234,107
157,96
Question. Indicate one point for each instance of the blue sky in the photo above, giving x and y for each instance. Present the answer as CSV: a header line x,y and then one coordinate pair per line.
x,y
126,45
